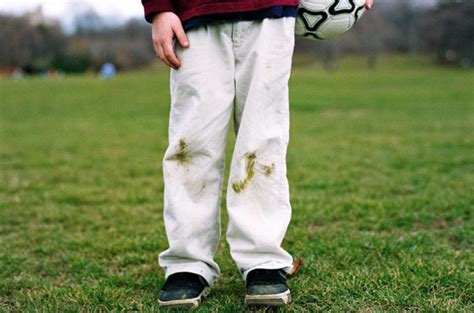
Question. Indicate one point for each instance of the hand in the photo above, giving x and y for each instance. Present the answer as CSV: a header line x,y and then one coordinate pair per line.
x,y
368,4
166,26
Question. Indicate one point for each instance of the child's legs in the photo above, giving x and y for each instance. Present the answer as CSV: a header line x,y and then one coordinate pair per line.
x,y
258,193
202,93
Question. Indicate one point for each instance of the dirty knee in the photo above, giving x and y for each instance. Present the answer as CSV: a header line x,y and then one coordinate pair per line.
x,y
252,169
180,152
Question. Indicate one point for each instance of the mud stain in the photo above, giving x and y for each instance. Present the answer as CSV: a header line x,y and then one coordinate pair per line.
x,y
182,156
201,190
268,169
240,185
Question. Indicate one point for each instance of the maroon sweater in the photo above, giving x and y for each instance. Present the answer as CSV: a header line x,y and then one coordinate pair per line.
x,y
187,9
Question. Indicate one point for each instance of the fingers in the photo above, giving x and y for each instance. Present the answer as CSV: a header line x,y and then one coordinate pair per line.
x,y
170,55
161,54
166,26
181,35
164,50
368,4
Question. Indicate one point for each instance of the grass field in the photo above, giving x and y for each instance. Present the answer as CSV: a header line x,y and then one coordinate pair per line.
x,y
381,169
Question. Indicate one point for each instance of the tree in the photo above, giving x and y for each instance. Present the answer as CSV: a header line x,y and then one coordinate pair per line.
x,y
455,31
29,44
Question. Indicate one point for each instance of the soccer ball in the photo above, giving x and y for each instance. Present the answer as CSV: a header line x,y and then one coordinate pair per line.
x,y
326,19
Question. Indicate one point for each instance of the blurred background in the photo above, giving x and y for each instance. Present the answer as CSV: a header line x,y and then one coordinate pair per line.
x,y
80,36
380,162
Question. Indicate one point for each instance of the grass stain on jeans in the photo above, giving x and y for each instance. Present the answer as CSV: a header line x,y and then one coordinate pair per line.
x,y
240,185
182,156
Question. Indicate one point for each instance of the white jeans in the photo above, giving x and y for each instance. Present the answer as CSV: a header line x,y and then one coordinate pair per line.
x,y
231,68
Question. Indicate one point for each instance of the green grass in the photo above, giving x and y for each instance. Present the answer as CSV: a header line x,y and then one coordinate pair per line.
x,y
381,169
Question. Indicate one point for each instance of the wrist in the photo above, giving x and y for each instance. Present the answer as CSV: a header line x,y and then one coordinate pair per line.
x,y
157,15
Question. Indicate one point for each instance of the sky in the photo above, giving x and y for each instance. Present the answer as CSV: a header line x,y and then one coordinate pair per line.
x,y
59,8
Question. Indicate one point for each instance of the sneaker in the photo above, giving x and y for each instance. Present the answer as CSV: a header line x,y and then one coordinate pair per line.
x,y
184,290
267,287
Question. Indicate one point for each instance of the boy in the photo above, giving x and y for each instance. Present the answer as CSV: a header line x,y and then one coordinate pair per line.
x,y
230,57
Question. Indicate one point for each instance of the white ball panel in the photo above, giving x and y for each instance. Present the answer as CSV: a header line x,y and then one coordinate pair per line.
x,y
335,26
316,5
343,5
360,13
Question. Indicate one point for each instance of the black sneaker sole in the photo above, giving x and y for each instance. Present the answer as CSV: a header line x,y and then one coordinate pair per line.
x,y
186,303
270,300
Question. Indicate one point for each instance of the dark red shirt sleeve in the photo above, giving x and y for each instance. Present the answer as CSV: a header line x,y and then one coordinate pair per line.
x,y
153,7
